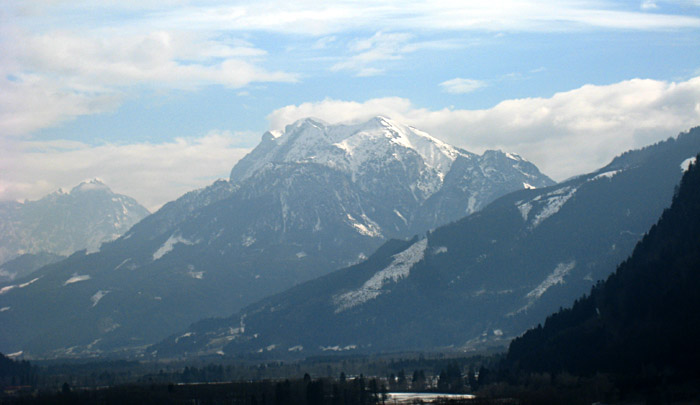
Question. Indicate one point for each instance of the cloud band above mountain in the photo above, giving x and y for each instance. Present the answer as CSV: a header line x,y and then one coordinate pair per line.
x,y
564,135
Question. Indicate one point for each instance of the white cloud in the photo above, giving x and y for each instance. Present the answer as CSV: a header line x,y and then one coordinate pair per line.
x,y
158,58
567,134
314,18
366,52
50,77
324,42
648,5
153,174
340,111
72,58
459,85
29,102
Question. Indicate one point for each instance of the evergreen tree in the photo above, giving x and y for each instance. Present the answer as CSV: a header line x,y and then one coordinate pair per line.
x,y
418,380
402,383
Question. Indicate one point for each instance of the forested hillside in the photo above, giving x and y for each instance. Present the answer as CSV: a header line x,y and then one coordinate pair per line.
x,y
644,319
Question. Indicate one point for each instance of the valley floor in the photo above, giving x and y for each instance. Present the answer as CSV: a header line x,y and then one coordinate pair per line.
x,y
442,379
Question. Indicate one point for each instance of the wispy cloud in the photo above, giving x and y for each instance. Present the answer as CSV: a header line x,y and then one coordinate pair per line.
x,y
324,42
367,52
459,85
648,5
566,134
369,56
152,173
313,18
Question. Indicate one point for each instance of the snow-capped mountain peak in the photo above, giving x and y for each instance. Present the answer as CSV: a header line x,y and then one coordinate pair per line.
x,y
91,185
503,268
353,149
392,161
63,222
309,199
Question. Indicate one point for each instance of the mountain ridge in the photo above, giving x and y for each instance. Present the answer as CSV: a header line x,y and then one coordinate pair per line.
x,y
504,267
63,222
217,249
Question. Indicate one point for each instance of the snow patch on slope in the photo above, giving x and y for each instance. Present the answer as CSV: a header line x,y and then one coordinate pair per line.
x,y
338,348
169,245
399,268
552,203
12,287
240,329
514,156
198,275
440,250
247,240
97,297
471,204
398,214
557,277
686,163
28,283
122,263
605,175
367,227
525,210
186,335
77,278
7,288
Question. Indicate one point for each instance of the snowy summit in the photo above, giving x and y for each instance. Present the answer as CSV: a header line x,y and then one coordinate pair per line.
x,y
358,150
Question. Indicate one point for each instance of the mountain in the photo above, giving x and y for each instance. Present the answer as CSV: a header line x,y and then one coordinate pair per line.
x,y
64,222
306,201
26,264
407,179
644,319
481,280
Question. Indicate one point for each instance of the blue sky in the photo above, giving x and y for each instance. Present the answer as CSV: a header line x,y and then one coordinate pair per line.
x,y
161,97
